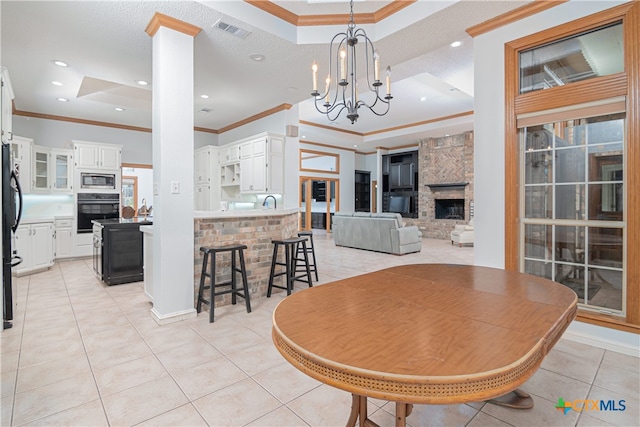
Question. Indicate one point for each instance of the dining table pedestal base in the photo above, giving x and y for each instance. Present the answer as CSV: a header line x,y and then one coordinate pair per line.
x,y
517,399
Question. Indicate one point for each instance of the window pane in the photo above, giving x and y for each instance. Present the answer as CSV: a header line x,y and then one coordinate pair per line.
x,y
538,201
570,244
537,268
570,165
537,241
605,129
570,201
605,288
580,57
605,246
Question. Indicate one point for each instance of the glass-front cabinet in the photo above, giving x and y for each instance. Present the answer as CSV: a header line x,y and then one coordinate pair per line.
x,y
573,224
62,172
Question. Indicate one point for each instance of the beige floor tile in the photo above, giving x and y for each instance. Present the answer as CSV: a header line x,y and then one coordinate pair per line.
x,y
143,402
618,378
323,406
189,355
484,420
9,361
440,415
236,405
118,353
200,380
183,416
282,417
88,414
8,383
49,336
265,352
170,336
41,374
629,363
571,365
53,398
110,337
550,386
589,421
285,382
10,343
234,340
6,410
129,374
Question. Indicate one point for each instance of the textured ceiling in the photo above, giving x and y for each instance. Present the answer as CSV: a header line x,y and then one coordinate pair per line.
x,y
106,41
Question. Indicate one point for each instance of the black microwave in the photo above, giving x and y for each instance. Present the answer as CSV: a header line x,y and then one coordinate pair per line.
x,y
106,181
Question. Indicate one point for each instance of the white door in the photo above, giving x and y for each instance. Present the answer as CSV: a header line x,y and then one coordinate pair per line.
x,y
41,245
109,158
22,248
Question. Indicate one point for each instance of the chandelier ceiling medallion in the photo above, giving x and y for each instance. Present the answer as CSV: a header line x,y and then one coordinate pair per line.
x,y
341,90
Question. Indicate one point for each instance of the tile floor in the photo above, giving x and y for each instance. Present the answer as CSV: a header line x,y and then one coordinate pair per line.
x,y
84,354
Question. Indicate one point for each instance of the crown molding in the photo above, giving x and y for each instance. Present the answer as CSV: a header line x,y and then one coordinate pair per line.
x,y
522,12
161,20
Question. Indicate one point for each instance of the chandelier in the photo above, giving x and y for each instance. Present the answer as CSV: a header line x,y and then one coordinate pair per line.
x,y
341,90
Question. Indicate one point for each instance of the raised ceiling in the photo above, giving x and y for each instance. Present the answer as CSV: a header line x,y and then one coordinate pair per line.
x,y
107,50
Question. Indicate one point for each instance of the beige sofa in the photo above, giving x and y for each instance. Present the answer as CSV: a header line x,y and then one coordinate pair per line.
x,y
463,234
381,232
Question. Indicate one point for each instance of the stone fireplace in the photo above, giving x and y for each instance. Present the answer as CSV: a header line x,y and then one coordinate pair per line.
x,y
445,185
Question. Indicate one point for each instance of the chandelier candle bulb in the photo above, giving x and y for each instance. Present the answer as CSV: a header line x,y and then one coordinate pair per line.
x,y
343,68
327,89
376,66
388,81
314,67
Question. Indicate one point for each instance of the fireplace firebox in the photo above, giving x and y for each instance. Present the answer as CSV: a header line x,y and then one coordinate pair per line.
x,y
450,209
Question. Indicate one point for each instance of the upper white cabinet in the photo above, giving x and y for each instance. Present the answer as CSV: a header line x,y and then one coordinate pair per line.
x,y
90,155
230,154
61,170
40,165
51,170
262,164
21,149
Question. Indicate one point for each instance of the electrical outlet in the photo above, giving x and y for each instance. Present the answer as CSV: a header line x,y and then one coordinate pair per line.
x,y
175,187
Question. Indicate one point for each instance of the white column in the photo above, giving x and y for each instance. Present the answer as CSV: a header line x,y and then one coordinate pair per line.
x,y
173,258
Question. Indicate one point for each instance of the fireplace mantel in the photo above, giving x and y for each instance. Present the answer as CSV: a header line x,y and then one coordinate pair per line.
x,y
451,185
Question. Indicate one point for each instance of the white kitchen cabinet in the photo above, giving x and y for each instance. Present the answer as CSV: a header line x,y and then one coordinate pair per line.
x,y
61,170
262,164
21,150
63,234
89,155
206,168
202,197
34,243
40,165
230,154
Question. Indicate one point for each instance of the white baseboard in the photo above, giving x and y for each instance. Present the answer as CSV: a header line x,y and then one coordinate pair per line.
x,y
605,338
164,319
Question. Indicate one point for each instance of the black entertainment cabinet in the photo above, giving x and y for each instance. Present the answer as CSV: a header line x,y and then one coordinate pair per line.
x,y
400,183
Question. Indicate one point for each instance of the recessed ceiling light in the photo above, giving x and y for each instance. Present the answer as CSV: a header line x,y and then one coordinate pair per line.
x,y
63,100
423,98
355,145
456,44
142,82
304,136
60,63
56,83
119,109
257,57
446,134
204,96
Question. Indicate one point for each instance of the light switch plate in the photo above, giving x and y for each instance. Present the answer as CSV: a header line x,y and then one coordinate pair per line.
x,y
175,187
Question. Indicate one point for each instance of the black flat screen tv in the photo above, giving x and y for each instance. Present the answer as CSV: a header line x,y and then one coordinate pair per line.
x,y
399,204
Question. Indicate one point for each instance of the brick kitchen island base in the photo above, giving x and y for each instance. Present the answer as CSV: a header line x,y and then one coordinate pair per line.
x,y
254,228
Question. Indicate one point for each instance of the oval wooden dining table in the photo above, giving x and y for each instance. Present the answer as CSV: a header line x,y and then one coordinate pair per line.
x,y
424,334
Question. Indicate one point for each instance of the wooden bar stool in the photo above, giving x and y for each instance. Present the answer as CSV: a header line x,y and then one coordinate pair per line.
x,y
292,255
234,290
310,249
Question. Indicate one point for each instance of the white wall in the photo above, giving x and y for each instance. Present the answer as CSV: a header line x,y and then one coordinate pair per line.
x,y
489,125
55,133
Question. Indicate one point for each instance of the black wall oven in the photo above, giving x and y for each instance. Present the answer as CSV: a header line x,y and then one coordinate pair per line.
x,y
92,206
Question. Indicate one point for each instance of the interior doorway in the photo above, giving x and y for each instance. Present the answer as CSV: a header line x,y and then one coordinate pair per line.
x,y
319,200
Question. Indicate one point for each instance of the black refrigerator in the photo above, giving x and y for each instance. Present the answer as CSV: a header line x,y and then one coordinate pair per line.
x,y
11,213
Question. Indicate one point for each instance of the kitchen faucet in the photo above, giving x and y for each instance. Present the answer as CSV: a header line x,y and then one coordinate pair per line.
x,y
144,207
275,203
